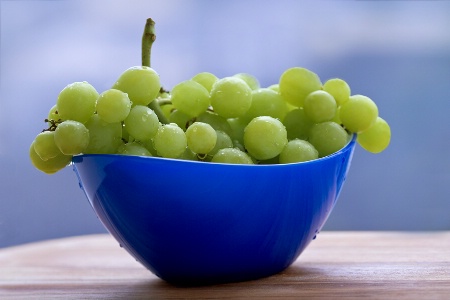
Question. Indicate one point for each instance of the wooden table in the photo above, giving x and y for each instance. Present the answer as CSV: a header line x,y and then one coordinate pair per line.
x,y
374,265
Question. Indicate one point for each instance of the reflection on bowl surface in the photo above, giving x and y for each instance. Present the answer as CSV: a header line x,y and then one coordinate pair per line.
x,y
201,223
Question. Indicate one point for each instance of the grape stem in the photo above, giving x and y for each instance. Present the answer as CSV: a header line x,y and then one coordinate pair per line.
x,y
164,102
148,38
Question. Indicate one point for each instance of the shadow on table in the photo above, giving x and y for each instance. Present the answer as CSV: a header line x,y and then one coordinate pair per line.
x,y
291,282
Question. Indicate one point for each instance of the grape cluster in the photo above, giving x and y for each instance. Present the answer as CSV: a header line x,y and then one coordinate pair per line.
x,y
206,118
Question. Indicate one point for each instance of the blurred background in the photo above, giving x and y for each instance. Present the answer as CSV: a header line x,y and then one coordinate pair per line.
x,y
395,52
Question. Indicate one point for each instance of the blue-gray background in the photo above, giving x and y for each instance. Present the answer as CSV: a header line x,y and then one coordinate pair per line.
x,y
396,52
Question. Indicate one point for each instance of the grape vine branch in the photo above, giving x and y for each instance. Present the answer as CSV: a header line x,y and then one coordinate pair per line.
x,y
148,38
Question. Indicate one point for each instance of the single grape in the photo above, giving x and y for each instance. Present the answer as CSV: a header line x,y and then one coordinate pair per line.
x,y
223,141
328,137
71,137
271,161
45,146
104,138
251,80
141,83
180,118
339,89
201,137
113,106
337,117
53,114
297,124
217,122
133,148
231,97
320,106
298,151
239,145
237,130
142,123
297,83
275,87
265,137
167,109
190,97
165,102
170,141
266,102
206,79
188,155
376,138
51,165
149,146
232,156
77,102
358,113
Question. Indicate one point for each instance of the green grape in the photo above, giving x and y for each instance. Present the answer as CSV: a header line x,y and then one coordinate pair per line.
x,y
53,114
297,83
170,141
201,137
339,89
180,118
188,155
232,156
358,113
275,87
272,161
266,102
77,102
320,106
265,137
337,118
376,138
190,97
231,97
167,109
237,131
223,141
206,79
165,102
141,83
45,146
149,146
133,148
104,138
298,151
217,122
328,137
113,106
51,165
251,80
71,137
142,123
297,124
239,145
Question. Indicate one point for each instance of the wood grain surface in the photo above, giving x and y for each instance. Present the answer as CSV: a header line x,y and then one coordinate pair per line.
x,y
344,265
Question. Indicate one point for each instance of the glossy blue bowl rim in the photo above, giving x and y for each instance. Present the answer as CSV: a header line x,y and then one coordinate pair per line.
x,y
350,143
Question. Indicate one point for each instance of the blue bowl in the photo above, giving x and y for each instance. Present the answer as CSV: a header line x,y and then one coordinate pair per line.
x,y
196,223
